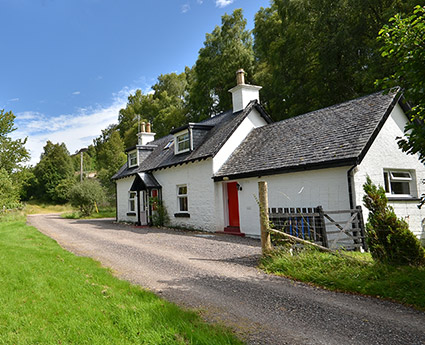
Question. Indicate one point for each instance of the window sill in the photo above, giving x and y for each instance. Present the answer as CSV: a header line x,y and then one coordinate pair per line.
x,y
182,215
131,214
402,198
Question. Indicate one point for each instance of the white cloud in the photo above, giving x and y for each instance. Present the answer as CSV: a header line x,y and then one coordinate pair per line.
x,y
200,2
223,3
14,100
185,8
76,130
76,92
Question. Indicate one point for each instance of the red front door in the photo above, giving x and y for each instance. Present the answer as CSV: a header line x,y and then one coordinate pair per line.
x,y
233,202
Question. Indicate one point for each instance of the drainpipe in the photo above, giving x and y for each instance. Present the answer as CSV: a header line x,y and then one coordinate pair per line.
x,y
350,187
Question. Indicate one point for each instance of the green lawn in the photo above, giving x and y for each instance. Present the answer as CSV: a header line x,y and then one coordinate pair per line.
x,y
38,207
103,213
50,296
360,275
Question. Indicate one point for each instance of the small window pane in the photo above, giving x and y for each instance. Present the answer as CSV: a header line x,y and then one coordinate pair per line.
x,y
402,174
387,187
183,204
182,190
398,187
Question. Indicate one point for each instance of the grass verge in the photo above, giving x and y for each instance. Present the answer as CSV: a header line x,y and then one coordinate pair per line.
x,y
404,284
50,296
103,213
37,207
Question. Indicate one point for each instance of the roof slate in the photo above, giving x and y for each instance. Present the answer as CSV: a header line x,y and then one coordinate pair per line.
x,y
224,125
330,136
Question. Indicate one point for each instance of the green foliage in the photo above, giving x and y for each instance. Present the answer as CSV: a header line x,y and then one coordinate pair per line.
x,y
160,214
164,108
54,167
404,43
110,156
12,152
226,49
55,297
360,274
389,238
84,195
315,53
9,193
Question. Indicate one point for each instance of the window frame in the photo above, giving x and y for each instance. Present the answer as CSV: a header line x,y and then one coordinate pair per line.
x,y
130,158
390,178
182,196
178,142
132,202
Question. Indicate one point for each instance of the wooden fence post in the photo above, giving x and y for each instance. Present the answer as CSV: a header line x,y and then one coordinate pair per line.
x,y
266,244
319,209
362,228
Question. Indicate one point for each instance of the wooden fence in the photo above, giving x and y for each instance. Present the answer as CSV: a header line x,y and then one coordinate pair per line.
x,y
331,229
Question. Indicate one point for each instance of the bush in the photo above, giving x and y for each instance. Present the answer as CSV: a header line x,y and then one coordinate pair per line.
x,y
9,192
84,195
160,214
389,238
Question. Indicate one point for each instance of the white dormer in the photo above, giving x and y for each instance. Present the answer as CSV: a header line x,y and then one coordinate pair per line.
x,y
182,142
133,159
242,93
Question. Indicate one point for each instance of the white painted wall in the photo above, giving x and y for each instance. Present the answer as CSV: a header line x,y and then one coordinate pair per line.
x,y
325,187
243,94
385,154
253,120
123,187
201,194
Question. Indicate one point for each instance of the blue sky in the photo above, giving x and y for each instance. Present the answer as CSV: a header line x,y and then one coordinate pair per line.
x,y
67,67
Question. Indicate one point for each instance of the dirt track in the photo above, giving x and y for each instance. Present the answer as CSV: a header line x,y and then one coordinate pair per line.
x,y
217,275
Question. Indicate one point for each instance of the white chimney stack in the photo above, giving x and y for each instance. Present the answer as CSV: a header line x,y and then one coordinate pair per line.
x,y
242,93
145,135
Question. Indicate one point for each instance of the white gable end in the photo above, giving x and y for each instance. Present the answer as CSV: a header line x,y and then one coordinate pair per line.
x,y
384,155
253,120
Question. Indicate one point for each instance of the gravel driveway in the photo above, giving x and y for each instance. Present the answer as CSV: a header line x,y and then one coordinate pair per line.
x,y
217,275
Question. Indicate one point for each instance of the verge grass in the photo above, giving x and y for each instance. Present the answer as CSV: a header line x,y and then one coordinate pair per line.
x,y
37,207
404,284
108,212
50,296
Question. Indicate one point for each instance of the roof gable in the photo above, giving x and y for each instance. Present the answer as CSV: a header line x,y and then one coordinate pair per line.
x,y
333,136
222,126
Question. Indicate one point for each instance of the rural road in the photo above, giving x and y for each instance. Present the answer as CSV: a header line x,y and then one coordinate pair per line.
x,y
217,274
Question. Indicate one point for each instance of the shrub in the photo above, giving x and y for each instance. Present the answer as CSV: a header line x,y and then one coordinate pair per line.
x,y
389,238
160,214
84,195
9,192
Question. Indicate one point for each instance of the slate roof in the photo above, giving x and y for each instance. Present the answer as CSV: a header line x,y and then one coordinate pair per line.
x,y
334,136
224,125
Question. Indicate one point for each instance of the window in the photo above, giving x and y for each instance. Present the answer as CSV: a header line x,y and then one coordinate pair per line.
x,y
182,143
182,205
132,201
398,183
132,159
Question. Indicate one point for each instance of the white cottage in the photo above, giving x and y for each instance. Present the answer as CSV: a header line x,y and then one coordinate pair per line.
x,y
207,173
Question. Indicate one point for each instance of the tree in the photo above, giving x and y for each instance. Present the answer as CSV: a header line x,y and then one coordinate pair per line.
x,y
226,49
315,53
9,193
54,173
165,108
86,195
110,156
389,238
12,152
404,43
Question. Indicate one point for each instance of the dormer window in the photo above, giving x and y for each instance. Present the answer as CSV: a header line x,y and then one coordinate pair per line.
x,y
182,142
132,159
